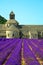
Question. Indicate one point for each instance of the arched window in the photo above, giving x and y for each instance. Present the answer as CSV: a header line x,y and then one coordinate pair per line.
x,y
39,34
8,35
13,35
8,25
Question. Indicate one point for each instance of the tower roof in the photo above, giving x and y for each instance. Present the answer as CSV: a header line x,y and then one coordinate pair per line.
x,y
12,19
12,13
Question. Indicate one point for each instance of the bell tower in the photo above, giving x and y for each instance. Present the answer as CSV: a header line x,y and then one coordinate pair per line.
x,y
12,15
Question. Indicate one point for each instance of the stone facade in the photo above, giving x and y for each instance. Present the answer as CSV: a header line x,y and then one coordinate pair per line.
x,y
12,29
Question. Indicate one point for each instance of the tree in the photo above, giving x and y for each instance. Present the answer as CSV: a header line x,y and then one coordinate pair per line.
x,y
2,20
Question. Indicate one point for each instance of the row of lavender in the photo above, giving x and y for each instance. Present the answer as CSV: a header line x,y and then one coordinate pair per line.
x,y
33,51
11,51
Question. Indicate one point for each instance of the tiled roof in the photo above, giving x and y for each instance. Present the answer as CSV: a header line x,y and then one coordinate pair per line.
x,y
11,21
2,27
12,28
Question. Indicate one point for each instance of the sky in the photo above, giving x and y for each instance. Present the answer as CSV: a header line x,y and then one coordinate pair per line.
x,y
27,12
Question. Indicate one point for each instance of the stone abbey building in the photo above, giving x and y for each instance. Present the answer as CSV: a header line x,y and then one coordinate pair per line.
x,y
12,29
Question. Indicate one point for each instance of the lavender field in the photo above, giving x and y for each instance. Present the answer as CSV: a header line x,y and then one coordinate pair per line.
x,y
21,52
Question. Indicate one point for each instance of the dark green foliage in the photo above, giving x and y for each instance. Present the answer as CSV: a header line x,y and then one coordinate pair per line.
x,y
2,20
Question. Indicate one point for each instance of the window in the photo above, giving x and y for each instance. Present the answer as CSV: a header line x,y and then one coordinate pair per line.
x,y
42,34
13,35
35,34
8,35
7,25
39,34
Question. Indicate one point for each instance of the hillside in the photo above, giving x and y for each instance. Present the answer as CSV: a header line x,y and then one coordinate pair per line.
x,y
2,20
